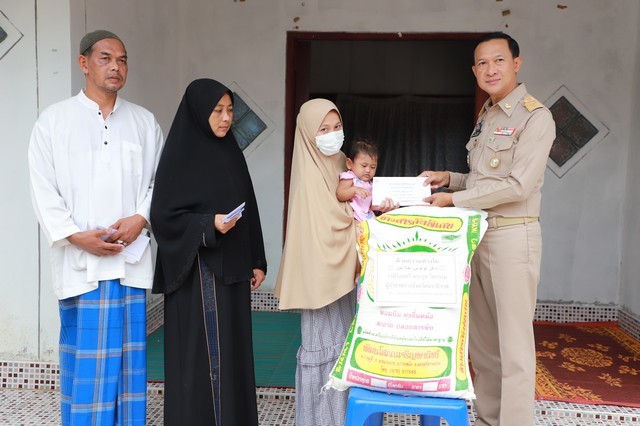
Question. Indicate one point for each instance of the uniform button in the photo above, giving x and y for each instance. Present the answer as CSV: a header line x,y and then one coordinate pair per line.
x,y
105,142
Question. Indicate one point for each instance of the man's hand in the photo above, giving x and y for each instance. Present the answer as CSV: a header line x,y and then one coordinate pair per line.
x,y
128,229
258,278
440,199
91,242
435,179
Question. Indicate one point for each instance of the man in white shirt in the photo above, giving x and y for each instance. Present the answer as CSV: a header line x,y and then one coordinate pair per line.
x,y
92,161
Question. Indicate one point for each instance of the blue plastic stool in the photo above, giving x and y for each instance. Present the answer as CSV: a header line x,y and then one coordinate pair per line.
x,y
367,408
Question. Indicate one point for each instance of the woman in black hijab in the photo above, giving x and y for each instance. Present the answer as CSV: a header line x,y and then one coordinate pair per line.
x,y
206,266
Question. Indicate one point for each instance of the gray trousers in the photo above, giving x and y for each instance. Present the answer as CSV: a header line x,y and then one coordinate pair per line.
x,y
324,332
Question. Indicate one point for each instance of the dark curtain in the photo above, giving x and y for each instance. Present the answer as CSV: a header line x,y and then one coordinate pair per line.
x,y
412,133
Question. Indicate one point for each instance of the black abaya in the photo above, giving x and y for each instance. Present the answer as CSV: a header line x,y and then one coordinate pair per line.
x,y
205,274
217,362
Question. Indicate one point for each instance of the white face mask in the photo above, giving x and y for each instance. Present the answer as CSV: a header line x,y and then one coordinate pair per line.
x,y
330,143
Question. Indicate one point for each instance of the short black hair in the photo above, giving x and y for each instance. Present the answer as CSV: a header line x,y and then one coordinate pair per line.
x,y
362,146
499,35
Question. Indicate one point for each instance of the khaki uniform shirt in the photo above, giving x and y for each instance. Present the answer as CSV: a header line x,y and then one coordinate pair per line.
x,y
507,157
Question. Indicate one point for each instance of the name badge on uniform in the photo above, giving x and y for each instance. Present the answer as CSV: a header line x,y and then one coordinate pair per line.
x,y
504,131
477,130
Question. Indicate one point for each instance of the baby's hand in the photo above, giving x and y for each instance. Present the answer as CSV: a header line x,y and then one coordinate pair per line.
x,y
361,192
386,205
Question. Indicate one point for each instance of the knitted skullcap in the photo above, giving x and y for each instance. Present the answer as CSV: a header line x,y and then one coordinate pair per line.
x,y
95,36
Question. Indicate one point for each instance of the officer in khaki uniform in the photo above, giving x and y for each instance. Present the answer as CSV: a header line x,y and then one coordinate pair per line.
x,y
507,156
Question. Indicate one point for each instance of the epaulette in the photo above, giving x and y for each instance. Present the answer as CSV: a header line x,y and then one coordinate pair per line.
x,y
531,103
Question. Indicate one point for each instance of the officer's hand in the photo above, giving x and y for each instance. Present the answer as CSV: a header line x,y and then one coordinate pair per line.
x,y
435,179
440,199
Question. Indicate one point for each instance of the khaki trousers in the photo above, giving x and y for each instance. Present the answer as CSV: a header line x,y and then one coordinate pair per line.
x,y
505,273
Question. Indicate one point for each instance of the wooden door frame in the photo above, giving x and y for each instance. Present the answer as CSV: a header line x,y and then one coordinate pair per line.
x,y
298,69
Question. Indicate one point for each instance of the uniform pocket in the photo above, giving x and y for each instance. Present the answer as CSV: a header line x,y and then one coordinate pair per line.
x,y
498,155
471,151
473,142
500,143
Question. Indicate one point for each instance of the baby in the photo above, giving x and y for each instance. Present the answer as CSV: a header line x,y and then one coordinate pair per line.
x,y
355,184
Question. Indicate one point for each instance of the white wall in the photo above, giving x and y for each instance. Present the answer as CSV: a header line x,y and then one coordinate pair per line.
x,y
19,262
35,74
630,231
582,216
591,47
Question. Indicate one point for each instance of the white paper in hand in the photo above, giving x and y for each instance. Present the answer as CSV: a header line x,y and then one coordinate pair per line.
x,y
406,191
133,252
235,212
106,236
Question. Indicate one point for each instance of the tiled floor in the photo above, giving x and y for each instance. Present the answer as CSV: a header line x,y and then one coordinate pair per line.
x,y
276,408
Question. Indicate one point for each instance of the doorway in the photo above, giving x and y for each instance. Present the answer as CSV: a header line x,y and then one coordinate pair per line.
x,y
414,94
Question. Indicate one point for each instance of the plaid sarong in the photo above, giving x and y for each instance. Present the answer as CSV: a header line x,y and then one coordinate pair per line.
x,y
103,374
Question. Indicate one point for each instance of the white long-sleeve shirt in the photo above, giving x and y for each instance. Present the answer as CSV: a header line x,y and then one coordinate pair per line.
x,y
87,172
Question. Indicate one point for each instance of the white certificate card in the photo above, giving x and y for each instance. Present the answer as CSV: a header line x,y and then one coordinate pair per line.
x,y
406,191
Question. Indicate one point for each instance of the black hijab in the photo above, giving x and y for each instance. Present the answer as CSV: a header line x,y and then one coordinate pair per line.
x,y
200,175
